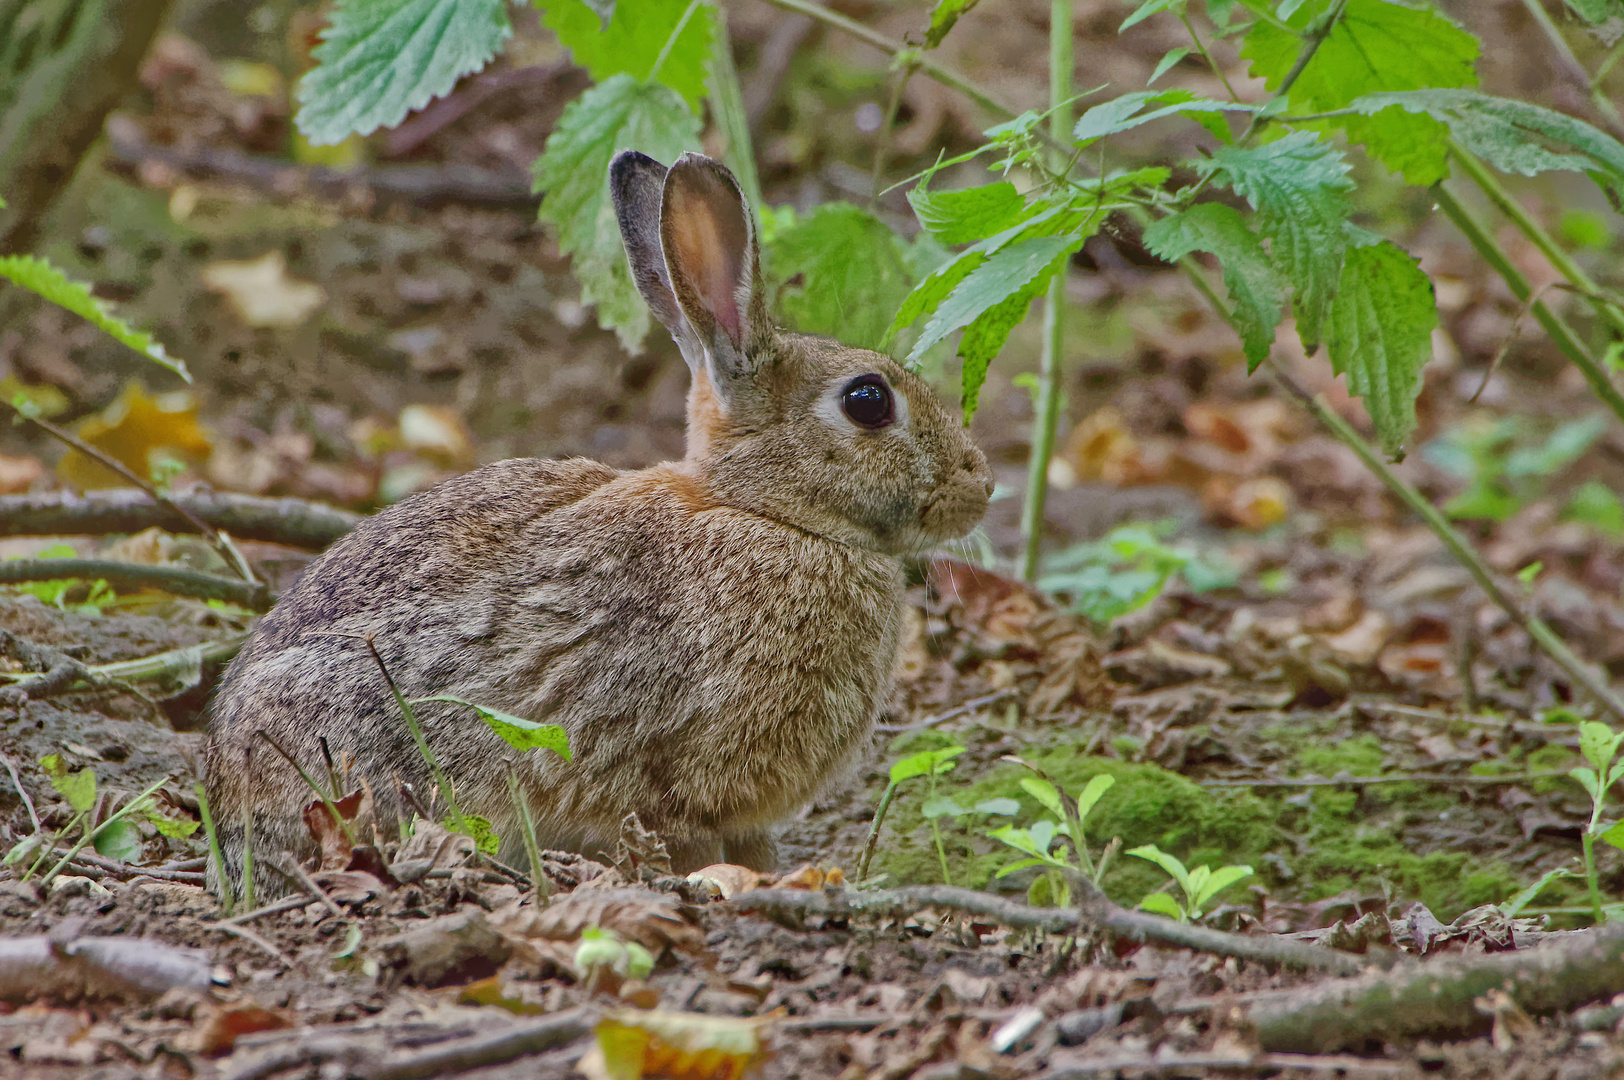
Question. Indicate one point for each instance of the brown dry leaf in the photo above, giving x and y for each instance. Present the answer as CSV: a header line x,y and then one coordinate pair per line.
x,y
1511,1024
727,879
18,474
1155,664
640,853
1361,643
1208,422
349,886
329,835
503,994
653,920
1075,675
448,951
437,433
261,291
680,1046
1102,448
1000,609
218,1032
1258,503
135,430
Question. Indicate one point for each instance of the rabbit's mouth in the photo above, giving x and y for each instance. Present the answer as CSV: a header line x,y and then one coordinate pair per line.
x,y
953,512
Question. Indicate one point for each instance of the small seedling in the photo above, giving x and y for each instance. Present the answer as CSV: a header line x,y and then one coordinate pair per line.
x,y
1126,570
1200,885
1036,841
930,763
602,948
527,828
1599,744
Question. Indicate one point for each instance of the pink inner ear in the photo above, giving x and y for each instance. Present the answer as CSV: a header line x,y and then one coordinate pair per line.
x,y
708,248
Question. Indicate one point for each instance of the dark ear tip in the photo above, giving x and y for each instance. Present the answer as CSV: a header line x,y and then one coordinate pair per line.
x,y
628,162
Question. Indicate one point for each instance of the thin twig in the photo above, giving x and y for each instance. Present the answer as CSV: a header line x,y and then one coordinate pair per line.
x,y
290,866
287,903
1362,781
1508,339
293,522
951,714
11,771
177,580
252,938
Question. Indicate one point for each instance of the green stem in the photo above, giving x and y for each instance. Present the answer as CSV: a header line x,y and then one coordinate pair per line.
x,y
727,106
440,779
874,832
1591,877
227,893
90,835
1542,239
882,145
1207,56
1046,408
532,849
671,41
1564,337
1575,70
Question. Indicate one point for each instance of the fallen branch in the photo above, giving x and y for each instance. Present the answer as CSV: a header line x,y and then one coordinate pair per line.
x,y
1096,911
38,968
1436,998
177,580
293,522
1183,1064
57,671
73,675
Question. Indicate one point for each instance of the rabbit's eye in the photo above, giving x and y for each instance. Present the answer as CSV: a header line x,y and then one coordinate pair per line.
x,y
867,402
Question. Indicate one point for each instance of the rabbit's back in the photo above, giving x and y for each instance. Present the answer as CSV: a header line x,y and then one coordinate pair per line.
x,y
712,666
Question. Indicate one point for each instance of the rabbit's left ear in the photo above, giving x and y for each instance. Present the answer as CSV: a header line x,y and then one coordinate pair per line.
x,y
636,186
711,255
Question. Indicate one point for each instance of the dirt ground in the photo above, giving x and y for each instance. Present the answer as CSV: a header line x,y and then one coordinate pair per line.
x,y
1338,708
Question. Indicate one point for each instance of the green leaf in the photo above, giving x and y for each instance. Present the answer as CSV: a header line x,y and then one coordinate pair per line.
x,y
1597,743
1257,293
174,828
985,336
1045,793
1166,62
1092,791
1513,907
970,214
637,36
1377,45
573,172
604,10
479,828
1020,864
1171,863
1567,444
940,806
1216,882
1123,113
1004,806
925,763
1597,505
1151,7
78,788
516,731
119,840
1379,335
1597,11
1513,136
1299,187
1161,903
943,17
380,59
1614,835
1588,780
850,272
40,277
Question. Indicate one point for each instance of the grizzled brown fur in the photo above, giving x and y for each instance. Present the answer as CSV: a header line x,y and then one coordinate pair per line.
x,y
715,634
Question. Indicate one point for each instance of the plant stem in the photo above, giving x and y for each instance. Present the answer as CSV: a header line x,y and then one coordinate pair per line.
x,y
327,801
671,41
727,105
90,835
1591,877
247,861
945,76
532,849
1535,627
1574,70
1560,332
227,893
1542,239
1046,408
882,145
440,779
874,832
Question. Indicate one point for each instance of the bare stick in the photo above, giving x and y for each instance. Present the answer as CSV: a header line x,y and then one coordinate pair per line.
x,y
253,595
290,866
287,903
294,522
11,771
253,939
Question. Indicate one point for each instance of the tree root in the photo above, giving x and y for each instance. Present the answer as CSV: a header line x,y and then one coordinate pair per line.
x,y
1096,911
176,580
293,522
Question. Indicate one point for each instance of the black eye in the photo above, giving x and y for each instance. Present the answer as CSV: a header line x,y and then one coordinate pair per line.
x,y
867,402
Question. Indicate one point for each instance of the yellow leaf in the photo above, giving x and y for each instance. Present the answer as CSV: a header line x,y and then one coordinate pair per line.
x,y
262,292
681,1046
137,429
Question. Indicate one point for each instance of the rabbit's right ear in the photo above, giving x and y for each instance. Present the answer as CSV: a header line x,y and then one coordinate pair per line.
x,y
636,185
711,255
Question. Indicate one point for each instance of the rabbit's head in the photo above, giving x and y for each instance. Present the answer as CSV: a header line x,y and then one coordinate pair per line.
x,y
838,441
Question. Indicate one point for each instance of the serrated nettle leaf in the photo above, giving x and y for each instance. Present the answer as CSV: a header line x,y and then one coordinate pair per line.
x,y
1513,136
943,17
1614,835
1588,780
1597,11
1257,292
1379,334
1160,903
1152,7
79,788
1125,112
1045,793
984,338
940,806
1597,743
852,272
969,214
1167,61
999,278
1377,45
1299,187
1091,793
380,59
516,731
925,763
637,37
49,283
1003,806
620,113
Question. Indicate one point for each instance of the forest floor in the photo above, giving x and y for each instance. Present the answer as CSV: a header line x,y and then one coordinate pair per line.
x,y
1313,690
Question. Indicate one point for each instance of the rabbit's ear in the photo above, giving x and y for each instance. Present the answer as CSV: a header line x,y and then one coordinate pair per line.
x,y
709,240
636,183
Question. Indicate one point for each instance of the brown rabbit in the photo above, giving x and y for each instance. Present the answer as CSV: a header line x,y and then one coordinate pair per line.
x,y
716,634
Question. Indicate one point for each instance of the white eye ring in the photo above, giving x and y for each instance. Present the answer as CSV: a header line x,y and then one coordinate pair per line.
x,y
834,408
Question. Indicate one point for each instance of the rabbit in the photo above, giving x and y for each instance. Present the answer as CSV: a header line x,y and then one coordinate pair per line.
x,y
715,634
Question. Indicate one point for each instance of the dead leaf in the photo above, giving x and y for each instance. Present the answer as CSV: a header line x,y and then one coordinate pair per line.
x,y
448,951
1156,664
726,879
653,920
222,1024
137,430
1102,448
437,433
680,1046
329,834
1361,643
262,293
431,847
349,886
18,474
640,854
1511,1024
